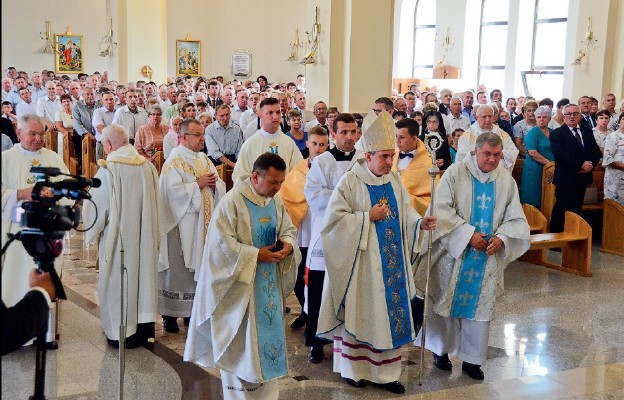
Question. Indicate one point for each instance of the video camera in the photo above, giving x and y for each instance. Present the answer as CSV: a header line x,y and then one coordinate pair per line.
x,y
46,222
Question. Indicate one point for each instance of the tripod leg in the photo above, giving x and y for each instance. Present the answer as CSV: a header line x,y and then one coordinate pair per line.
x,y
40,365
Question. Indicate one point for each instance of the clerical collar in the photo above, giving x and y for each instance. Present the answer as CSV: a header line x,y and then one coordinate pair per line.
x,y
190,153
28,152
270,135
483,177
340,155
377,180
259,199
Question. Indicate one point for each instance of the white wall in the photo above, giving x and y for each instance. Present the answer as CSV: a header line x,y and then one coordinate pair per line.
x,y
264,28
23,20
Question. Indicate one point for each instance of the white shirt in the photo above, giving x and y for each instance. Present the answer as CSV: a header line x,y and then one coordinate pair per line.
x,y
129,120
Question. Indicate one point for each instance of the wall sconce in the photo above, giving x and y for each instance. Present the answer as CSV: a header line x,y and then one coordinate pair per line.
x,y
589,41
107,42
314,38
147,72
48,47
294,50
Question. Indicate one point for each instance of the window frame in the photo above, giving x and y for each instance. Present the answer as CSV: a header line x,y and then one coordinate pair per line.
x,y
414,52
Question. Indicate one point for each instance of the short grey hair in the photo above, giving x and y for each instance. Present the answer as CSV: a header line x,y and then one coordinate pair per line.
x,y
116,134
445,90
458,97
490,138
155,107
23,121
482,107
543,110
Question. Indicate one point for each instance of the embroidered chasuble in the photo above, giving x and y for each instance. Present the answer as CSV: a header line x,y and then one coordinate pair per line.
x,y
268,302
472,268
393,270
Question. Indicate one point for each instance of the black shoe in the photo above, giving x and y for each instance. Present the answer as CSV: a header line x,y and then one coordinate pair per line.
x,y
51,345
358,384
392,387
442,362
300,322
316,355
187,321
473,371
171,324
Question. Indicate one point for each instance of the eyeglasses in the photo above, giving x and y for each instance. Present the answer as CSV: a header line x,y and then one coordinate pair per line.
x,y
572,114
194,134
155,114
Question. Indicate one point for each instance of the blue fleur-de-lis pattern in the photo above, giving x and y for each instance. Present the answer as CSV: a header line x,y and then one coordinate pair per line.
x,y
267,295
472,268
393,269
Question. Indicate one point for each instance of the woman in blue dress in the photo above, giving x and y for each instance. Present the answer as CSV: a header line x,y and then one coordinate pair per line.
x,y
537,142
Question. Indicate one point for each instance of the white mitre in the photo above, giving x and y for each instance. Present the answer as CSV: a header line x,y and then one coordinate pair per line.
x,y
378,132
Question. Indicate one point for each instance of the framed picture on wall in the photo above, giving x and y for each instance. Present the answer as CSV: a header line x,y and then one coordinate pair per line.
x,y
188,56
70,56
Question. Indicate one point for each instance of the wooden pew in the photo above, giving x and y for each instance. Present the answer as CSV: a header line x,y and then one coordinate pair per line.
x,y
517,172
89,167
69,157
548,190
575,241
613,228
51,142
225,174
159,160
538,224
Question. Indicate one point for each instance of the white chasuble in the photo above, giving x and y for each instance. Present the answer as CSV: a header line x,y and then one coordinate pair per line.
x,y
127,219
224,328
16,164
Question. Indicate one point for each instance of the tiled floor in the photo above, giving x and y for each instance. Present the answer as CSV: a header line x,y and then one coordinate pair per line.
x,y
556,336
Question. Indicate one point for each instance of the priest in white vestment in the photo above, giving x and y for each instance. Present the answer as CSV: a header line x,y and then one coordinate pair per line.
x,y
371,237
126,207
485,123
481,229
17,186
189,190
249,266
269,138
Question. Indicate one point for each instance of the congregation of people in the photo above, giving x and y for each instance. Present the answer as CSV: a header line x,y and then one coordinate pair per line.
x,y
332,205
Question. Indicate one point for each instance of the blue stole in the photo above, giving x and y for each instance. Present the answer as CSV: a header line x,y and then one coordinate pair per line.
x,y
472,269
267,292
391,247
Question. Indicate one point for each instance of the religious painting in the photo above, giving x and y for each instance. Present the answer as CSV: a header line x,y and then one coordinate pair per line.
x,y
70,56
188,56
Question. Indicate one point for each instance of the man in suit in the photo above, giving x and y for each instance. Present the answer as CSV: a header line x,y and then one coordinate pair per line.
x,y
29,316
576,153
587,120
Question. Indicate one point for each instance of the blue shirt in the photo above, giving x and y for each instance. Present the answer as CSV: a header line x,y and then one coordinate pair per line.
x,y
221,141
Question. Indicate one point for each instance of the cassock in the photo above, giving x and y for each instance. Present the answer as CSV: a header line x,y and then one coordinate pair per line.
x,y
464,282
237,320
325,172
263,142
415,176
127,219
468,140
17,264
185,213
366,297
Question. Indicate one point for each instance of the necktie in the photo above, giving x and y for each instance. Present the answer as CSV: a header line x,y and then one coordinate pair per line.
x,y
403,155
578,137
589,121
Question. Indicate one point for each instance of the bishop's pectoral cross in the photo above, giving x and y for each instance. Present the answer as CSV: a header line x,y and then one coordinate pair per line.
x,y
465,298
